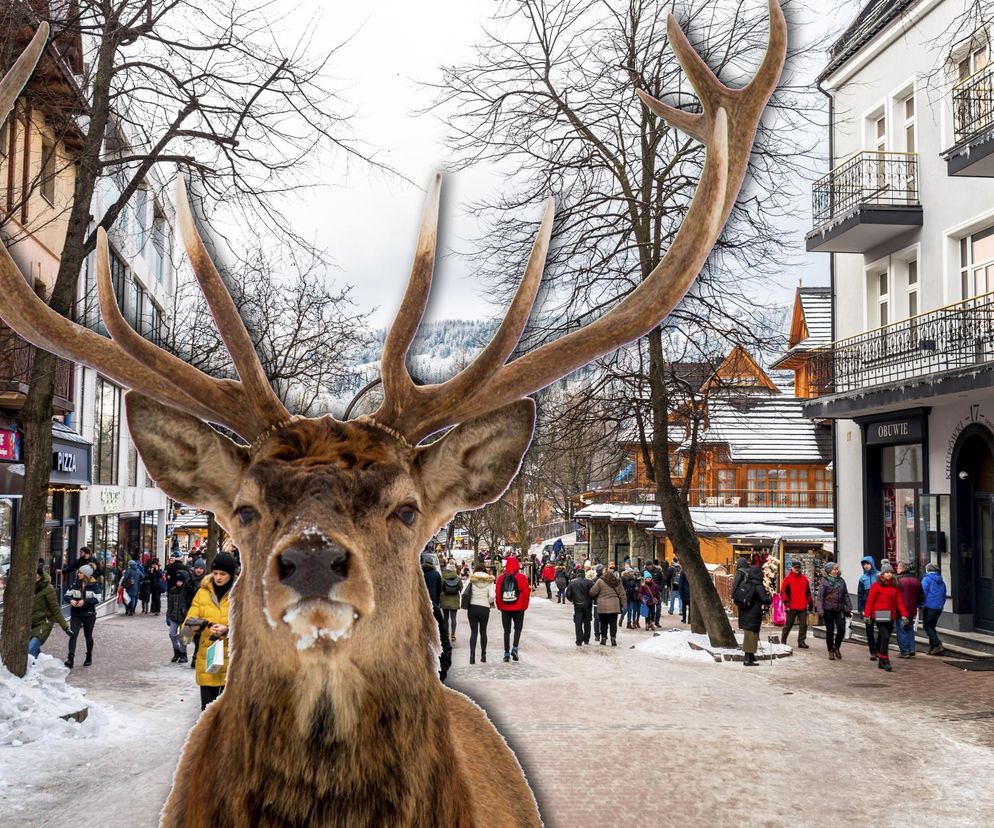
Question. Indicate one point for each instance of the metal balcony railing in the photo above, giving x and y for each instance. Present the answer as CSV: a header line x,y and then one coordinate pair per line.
x,y
973,105
16,359
785,498
879,179
959,336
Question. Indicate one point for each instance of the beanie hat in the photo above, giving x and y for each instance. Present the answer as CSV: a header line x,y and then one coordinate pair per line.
x,y
795,564
86,570
647,574
886,567
829,567
176,554
932,567
225,563
201,563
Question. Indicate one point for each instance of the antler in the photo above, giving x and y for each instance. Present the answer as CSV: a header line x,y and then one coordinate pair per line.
x,y
726,126
248,407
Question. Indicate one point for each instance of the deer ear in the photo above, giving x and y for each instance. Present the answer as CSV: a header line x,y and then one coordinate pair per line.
x,y
475,462
188,460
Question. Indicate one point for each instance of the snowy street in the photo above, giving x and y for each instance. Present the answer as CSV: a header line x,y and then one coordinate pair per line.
x,y
607,736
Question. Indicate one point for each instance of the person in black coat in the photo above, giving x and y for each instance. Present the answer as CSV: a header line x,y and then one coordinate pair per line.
x,y
751,617
578,594
433,582
684,597
155,586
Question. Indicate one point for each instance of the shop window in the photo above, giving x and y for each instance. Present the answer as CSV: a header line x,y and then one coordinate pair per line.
x,y
107,418
6,538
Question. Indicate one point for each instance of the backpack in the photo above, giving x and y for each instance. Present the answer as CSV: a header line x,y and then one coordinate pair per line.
x,y
129,580
509,589
450,587
743,595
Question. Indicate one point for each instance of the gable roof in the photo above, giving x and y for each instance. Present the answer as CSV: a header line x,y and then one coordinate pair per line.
x,y
873,17
739,371
811,325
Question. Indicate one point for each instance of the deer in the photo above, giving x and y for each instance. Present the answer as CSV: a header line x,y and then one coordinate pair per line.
x,y
333,713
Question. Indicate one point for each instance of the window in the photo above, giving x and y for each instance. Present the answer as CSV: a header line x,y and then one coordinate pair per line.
x,y
160,243
913,288
973,62
976,261
48,170
883,298
106,422
823,488
880,134
908,109
118,271
763,485
141,209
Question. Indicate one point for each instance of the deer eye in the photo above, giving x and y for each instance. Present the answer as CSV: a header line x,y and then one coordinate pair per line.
x,y
246,514
406,514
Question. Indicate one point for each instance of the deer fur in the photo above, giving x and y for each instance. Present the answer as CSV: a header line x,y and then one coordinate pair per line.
x,y
358,732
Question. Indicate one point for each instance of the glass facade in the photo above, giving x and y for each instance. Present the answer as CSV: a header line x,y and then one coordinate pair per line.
x,y
901,476
107,418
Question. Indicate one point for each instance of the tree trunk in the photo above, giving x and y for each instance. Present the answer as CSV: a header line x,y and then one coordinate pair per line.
x,y
673,508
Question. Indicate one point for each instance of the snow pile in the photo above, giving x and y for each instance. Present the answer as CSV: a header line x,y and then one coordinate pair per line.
x,y
31,708
675,644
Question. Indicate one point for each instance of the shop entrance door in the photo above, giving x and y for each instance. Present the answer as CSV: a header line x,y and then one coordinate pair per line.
x,y
984,561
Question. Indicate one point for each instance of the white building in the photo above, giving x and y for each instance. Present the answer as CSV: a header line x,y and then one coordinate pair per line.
x,y
907,213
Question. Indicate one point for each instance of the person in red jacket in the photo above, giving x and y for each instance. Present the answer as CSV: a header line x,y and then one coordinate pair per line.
x,y
796,592
885,606
548,576
513,595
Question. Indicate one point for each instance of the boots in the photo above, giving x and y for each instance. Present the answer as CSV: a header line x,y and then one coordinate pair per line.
x,y
884,664
750,660
614,643
507,656
514,653
483,656
176,655
88,660
838,655
831,655
472,658
636,625
69,661
182,658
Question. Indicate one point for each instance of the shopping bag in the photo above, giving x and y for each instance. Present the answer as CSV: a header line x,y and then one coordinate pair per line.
x,y
779,611
644,610
215,657
120,595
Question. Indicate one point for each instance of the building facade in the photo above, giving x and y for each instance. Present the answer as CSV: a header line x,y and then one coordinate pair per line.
x,y
907,214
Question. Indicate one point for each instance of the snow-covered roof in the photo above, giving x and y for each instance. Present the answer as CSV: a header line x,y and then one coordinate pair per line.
x,y
771,521
767,429
816,305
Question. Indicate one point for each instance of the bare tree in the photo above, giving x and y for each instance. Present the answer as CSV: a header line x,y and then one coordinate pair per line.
x,y
542,99
201,84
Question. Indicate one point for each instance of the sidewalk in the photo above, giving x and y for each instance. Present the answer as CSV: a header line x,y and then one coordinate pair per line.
x,y
608,736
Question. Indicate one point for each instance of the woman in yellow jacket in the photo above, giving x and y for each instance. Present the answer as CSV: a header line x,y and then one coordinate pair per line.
x,y
209,613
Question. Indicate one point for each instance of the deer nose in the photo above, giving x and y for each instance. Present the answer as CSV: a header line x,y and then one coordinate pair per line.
x,y
312,567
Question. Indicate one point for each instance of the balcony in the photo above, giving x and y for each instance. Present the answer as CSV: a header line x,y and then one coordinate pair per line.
x,y
972,155
955,338
866,201
16,358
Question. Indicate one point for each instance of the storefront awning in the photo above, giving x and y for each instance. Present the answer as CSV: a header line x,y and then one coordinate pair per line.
x,y
71,464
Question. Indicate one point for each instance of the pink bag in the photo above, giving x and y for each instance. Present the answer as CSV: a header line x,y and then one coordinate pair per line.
x,y
779,611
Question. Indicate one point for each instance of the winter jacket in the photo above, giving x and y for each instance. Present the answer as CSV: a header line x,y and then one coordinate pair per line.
x,y
578,591
608,593
155,584
548,573
512,569
684,588
884,596
648,594
483,593
433,581
833,594
934,590
796,591
451,590
91,596
132,578
562,581
172,569
98,570
657,577
178,600
664,573
45,610
911,592
631,585
207,606
751,617
866,580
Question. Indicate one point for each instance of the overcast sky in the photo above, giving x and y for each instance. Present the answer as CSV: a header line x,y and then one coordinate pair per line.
x,y
367,222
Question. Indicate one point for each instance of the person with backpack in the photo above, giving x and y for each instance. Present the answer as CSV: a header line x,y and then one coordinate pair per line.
x,y
513,595
45,612
648,597
578,594
562,581
448,600
131,583
630,613
478,598
548,577
750,597
835,606
912,595
866,581
83,596
934,601
886,607
676,576
609,594
433,583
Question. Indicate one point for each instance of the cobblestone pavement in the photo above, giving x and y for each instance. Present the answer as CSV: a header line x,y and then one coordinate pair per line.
x,y
608,736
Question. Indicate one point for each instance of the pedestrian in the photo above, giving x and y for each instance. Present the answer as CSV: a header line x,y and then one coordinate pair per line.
x,y
934,590
178,600
145,591
130,583
156,585
676,576
513,596
912,596
835,606
45,612
448,600
175,565
684,596
741,570
648,597
866,581
886,607
562,581
548,577
630,614
83,596
664,587
84,558
796,592
482,594
657,579
433,583
610,597
751,615
597,571
209,614
578,594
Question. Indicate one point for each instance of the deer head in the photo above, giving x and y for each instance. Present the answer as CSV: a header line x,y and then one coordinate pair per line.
x,y
330,516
